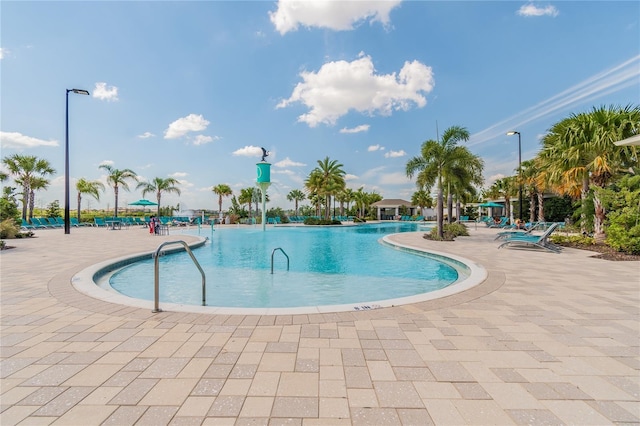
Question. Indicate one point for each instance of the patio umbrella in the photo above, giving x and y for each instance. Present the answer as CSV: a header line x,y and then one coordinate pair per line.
x,y
143,202
490,204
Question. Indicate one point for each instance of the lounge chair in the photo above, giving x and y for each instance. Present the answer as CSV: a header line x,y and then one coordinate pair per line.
x,y
533,241
27,226
40,222
501,224
100,222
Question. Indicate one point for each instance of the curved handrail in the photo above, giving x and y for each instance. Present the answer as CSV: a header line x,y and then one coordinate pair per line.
x,y
285,255
156,256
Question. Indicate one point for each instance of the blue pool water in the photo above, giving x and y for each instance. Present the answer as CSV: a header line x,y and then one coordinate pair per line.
x,y
328,266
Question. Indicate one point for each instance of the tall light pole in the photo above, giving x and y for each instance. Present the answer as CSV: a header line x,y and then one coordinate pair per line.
x,y
67,219
511,133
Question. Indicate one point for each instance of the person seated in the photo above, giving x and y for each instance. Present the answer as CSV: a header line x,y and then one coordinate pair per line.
x,y
520,224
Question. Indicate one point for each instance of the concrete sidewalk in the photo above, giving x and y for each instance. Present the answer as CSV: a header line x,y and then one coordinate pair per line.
x,y
546,339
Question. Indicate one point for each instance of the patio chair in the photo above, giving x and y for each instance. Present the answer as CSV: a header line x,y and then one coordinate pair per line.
x,y
533,241
27,226
501,224
40,222
100,222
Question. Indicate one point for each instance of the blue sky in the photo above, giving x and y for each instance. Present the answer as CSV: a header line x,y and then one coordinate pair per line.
x,y
192,90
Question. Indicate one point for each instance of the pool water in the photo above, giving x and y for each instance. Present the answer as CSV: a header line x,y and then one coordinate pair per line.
x,y
327,266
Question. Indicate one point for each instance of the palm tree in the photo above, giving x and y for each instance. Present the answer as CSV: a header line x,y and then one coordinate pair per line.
x,y
326,180
90,187
118,178
159,185
580,149
246,197
422,199
437,160
296,195
460,178
37,183
221,190
25,169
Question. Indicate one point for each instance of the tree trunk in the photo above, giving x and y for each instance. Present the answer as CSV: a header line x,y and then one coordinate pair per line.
x,y
458,210
598,222
440,212
32,202
115,211
79,204
532,207
583,195
449,207
541,206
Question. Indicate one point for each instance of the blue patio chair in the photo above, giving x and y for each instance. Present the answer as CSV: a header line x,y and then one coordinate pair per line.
x,y
501,224
100,222
533,241
40,222
26,225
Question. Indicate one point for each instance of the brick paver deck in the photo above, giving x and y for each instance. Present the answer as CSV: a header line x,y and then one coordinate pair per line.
x,y
546,339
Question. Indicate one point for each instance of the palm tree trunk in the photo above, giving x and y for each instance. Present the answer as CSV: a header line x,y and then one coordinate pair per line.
x,y
115,191
79,204
584,193
449,206
599,217
532,207
440,210
158,196
32,202
541,206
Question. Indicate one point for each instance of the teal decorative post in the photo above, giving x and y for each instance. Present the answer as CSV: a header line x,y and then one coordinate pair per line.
x,y
264,181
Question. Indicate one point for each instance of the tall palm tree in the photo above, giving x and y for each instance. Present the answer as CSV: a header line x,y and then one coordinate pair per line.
x,y
118,179
436,161
26,168
327,179
296,195
90,187
221,190
580,149
159,185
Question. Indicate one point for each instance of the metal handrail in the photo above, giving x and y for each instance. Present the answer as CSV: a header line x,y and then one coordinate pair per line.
x,y
156,255
285,255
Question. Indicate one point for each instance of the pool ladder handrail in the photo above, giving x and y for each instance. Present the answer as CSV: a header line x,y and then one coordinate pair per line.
x,y
285,255
156,256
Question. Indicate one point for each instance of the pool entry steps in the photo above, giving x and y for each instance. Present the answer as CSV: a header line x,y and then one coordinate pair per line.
x,y
156,267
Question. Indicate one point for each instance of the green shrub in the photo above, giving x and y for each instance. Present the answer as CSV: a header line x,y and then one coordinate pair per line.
x,y
316,221
582,240
449,232
8,228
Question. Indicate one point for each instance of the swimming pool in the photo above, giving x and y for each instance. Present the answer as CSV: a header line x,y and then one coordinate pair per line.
x,y
328,266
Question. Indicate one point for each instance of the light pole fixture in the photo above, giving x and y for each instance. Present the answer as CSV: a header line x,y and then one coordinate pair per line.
x,y
511,133
67,219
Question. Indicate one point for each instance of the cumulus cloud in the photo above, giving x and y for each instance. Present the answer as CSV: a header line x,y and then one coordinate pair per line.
x,y
372,148
357,129
106,163
533,10
287,162
178,175
3,52
104,93
146,135
349,177
248,151
341,86
19,141
395,154
202,139
336,15
184,125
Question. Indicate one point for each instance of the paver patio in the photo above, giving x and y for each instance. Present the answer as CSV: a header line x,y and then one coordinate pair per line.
x,y
546,339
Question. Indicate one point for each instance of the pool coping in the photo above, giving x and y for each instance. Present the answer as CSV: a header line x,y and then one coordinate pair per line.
x,y
85,282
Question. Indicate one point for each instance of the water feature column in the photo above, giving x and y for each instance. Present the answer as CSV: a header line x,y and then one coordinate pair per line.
x,y
264,181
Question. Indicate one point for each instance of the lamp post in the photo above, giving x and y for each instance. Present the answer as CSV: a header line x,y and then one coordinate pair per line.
x,y
511,133
67,220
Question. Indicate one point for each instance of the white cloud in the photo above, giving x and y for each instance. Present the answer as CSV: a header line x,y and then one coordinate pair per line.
x,y
202,139
395,154
184,125
349,176
146,135
20,141
357,129
104,93
372,148
144,167
337,15
287,162
185,184
533,10
3,52
178,175
106,163
341,86
397,178
283,172
249,151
